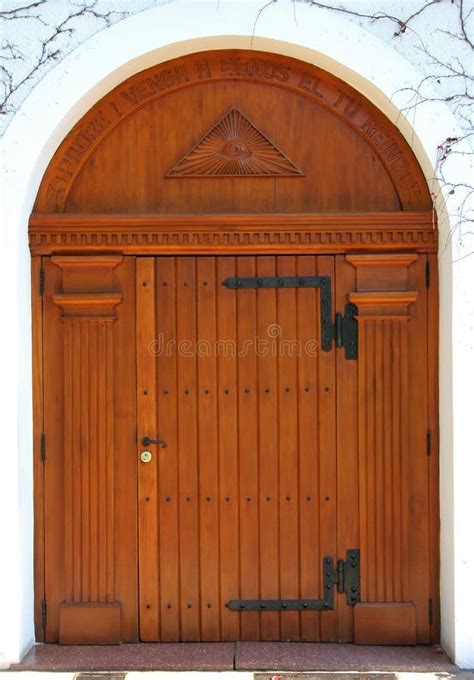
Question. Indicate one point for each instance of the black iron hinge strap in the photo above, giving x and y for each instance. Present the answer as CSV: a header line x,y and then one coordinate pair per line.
x,y
321,282
346,577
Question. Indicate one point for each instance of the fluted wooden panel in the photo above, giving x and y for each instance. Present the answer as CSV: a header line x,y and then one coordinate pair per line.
x,y
88,460
90,468
383,439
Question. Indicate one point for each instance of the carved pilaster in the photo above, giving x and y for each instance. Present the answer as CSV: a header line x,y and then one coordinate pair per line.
x,y
88,301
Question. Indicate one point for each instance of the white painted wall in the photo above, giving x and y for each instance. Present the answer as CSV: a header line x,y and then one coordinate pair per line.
x,y
369,60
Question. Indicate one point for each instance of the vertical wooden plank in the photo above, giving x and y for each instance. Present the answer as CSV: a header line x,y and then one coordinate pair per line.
x,y
248,449
267,366
433,462
228,447
56,526
94,458
407,461
327,446
84,455
349,434
207,447
397,526
74,425
288,448
188,453
125,463
367,411
149,602
308,333
418,562
387,455
165,352
38,429
379,426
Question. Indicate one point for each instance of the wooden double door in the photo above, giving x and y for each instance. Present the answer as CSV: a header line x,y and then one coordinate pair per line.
x,y
211,454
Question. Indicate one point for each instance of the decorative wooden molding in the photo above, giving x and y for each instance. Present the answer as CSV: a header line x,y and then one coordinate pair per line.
x,y
233,234
382,272
88,305
392,260
88,286
234,147
298,77
384,302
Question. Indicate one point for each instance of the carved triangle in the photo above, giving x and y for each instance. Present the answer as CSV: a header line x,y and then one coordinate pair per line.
x,y
234,147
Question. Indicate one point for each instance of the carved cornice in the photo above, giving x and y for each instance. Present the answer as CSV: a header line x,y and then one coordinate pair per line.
x,y
149,234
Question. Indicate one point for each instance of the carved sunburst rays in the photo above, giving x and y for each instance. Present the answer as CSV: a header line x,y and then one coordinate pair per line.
x,y
234,147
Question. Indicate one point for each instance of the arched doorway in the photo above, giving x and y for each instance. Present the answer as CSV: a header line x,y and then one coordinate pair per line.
x,y
202,206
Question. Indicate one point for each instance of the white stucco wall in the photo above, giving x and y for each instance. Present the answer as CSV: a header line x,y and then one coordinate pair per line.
x,y
368,58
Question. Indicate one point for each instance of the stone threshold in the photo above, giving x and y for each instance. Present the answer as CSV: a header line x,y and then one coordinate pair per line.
x,y
343,659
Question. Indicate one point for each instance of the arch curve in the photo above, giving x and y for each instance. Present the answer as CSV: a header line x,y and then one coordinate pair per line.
x,y
204,75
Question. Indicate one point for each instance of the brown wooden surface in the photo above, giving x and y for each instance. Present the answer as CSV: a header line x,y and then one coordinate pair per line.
x,y
234,234
250,456
391,623
89,395
217,164
118,157
96,623
390,399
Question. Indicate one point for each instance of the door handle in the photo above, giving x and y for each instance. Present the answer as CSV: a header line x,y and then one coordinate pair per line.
x,y
146,441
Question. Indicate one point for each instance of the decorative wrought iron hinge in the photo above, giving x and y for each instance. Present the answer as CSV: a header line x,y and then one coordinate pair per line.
x,y
321,282
43,447
41,281
44,613
346,577
346,331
